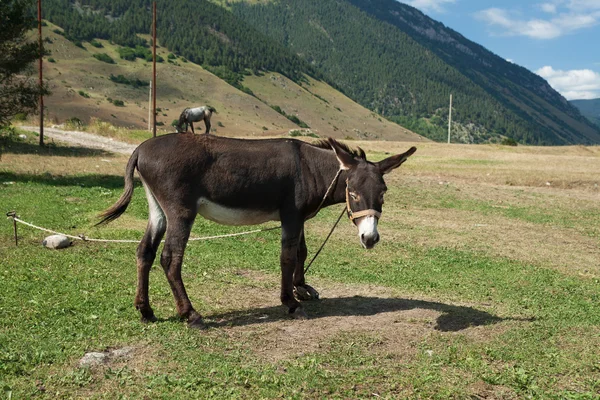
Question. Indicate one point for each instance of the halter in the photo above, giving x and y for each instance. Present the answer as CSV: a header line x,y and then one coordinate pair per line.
x,y
351,214
359,214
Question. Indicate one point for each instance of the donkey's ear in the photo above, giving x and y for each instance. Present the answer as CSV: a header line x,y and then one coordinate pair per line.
x,y
346,159
393,162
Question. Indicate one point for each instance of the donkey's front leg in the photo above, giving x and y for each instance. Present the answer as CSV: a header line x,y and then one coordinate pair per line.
x,y
290,239
303,291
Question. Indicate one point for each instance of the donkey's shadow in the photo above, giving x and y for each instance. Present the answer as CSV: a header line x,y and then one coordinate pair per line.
x,y
452,319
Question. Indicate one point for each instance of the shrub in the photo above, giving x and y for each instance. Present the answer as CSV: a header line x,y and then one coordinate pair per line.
x,y
127,53
74,122
96,43
52,60
20,117
119,103
507,141
125,81
84,94
104,58
171,56
58,32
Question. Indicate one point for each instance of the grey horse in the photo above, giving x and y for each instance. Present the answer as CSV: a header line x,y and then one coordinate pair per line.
x,y
191,115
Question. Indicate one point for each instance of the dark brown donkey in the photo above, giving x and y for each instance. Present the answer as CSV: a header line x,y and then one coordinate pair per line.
x,y
246,182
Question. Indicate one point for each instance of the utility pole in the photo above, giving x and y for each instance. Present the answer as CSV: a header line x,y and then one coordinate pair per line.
x,y
41,72
450,119
150,108
154,69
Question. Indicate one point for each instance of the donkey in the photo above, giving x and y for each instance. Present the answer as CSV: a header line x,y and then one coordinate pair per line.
x,y
191,115
247,182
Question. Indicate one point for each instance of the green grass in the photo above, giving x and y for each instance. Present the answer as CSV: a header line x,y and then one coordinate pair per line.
x,y
500,326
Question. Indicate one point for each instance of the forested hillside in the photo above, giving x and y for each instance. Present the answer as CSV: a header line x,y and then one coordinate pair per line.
x,y
195,29
392,58
387,56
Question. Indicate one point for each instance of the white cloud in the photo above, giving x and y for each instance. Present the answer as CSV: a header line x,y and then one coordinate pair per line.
x,y
429,5
574,15
549,7
573,84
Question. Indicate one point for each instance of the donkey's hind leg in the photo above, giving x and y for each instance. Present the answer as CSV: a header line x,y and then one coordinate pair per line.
x,y
146,253
302,291
178,233
207,123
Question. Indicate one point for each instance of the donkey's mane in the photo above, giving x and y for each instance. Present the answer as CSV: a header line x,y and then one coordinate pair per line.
x,y
324,144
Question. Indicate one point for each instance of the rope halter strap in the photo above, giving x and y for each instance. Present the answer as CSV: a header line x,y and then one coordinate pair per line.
x,y
359,214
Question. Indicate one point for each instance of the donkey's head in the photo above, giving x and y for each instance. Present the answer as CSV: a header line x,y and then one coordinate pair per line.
x,y
365,188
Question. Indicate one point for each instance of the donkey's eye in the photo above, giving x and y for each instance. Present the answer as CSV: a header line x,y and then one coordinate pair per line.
x,y
354,196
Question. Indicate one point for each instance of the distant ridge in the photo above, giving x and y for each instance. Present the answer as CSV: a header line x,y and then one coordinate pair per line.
x,y
589,109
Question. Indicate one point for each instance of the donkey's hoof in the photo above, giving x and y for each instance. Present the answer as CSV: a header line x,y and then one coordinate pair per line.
x,y
148,318
299,313
306,293
197,323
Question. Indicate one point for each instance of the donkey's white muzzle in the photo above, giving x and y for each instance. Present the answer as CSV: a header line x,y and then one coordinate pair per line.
x,y
367,231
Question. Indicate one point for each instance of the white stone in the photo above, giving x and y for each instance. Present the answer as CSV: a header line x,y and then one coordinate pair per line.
x,y
56,242
93,359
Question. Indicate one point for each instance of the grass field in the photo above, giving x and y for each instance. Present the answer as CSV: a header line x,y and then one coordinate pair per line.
x,y
486,284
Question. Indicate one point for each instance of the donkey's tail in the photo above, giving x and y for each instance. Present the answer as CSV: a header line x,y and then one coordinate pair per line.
x,y
181,120
121,205
212,109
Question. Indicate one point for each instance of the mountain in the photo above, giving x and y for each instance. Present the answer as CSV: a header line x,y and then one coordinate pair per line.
x,y
387,56
589,109
392,58
90,81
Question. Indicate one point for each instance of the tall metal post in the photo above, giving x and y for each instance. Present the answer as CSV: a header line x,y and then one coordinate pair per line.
x,y
154,69
41,72
450,119
150,107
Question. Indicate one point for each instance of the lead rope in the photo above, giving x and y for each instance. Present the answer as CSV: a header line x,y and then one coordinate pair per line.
x,y
326,239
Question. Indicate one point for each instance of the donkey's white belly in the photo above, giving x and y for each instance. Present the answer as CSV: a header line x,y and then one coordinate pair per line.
x,y
233,216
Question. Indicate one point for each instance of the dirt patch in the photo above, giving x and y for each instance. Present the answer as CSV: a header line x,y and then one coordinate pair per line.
x,y
397,323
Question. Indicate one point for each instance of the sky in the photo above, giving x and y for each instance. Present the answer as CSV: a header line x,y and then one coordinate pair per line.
x,y
556,39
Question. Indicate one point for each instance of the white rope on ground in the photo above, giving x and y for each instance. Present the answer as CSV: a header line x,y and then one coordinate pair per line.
x,y
86,239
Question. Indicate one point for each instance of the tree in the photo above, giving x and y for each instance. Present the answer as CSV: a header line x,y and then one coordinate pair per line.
x,y
19,92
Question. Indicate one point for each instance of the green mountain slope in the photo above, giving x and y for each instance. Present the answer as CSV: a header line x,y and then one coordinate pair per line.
x,y
90,82
386,56
589,109
392,58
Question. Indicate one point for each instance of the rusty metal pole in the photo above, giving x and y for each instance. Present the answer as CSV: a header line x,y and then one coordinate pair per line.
x,y
41,72
154,69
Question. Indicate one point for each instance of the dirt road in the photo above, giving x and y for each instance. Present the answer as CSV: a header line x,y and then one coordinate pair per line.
x,y
84,139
